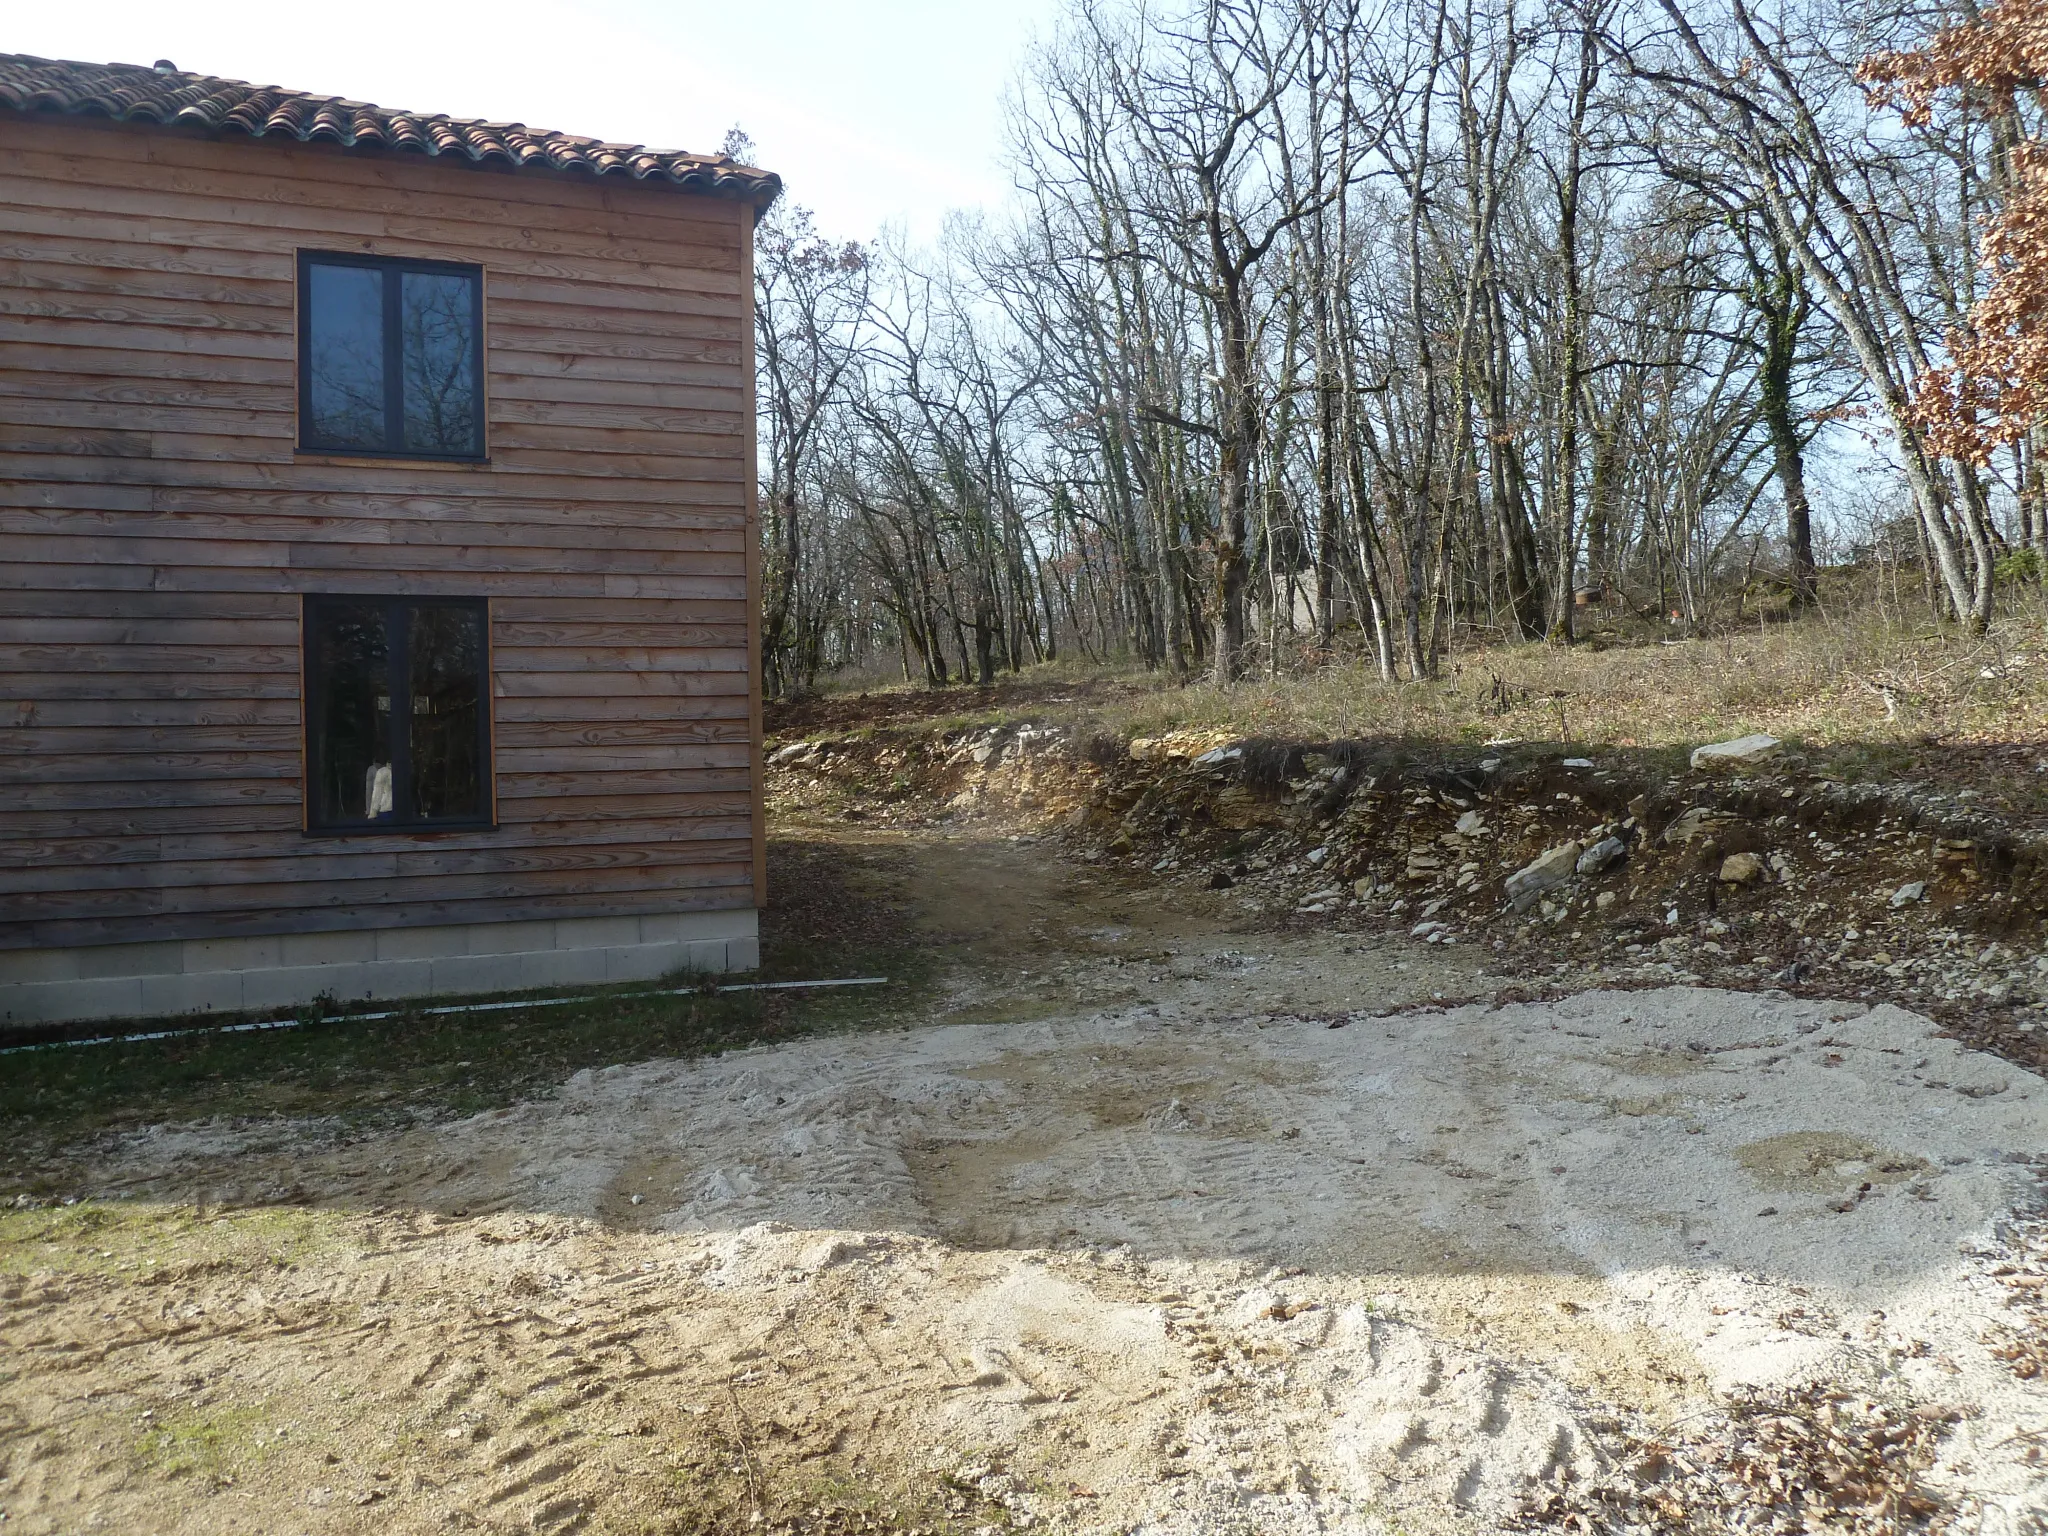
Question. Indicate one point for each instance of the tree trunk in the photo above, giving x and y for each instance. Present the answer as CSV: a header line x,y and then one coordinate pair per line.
x,y
1564,515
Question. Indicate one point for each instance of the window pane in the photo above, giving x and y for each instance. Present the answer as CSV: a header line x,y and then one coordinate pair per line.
x,y
345,320
437,330
352,720
447,693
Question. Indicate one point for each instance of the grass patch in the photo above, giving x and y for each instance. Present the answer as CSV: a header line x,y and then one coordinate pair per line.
x,y
394,1068
212,1445
823,924
119,1237
452,1063
721,1484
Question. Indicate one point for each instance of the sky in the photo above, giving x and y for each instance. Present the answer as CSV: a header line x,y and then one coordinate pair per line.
x,y
873,111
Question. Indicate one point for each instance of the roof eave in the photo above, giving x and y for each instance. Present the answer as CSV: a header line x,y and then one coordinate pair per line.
x,y
361,128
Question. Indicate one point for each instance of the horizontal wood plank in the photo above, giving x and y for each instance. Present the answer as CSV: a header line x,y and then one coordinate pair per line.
x,y
44,685
709,891
117,392
300,896
54,211
385,477
279,824
194,849
493,504
416,533
198,248
33,715
340,577
711,569
336,865
276,157
287,175
611,683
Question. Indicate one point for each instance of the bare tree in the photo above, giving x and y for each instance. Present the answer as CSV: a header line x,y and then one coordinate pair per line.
x,y
810,306
1779,104
1375,326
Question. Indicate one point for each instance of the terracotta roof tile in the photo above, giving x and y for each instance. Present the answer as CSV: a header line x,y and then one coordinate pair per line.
x,y
133,93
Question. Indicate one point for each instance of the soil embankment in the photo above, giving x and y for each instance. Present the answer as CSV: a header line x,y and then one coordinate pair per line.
x,y
1766,877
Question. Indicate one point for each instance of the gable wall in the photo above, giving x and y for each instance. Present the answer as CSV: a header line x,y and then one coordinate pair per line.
x,y
157,531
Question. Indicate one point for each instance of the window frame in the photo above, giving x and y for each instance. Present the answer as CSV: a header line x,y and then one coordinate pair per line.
x,y
398,659
393,269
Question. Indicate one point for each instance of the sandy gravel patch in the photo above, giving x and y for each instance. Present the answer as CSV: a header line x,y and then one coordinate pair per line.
x,y
1154,1268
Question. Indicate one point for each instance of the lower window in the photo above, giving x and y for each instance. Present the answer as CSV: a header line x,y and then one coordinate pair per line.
x,y
397,718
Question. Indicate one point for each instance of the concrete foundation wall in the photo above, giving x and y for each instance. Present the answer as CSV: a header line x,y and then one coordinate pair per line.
x,y
136,981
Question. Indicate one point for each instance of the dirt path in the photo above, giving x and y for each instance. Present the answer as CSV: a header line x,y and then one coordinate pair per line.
x,y
1026,933
1152,1224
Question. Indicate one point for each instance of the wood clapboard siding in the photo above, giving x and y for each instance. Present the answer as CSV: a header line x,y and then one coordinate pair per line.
x,y
158,532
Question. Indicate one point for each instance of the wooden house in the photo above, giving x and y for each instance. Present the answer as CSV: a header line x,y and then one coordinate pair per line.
x,y
377,574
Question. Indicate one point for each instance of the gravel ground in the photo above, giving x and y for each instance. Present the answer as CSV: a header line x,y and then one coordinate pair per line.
x,y
1156,1226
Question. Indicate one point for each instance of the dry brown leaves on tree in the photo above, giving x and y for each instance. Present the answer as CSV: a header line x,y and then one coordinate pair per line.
x,y
1995,387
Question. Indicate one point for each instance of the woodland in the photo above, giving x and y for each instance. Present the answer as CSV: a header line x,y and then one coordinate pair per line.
x,y
1338,330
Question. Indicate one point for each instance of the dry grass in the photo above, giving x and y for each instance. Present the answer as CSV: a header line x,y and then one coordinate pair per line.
x,y
1867,691
1823,682
1864,695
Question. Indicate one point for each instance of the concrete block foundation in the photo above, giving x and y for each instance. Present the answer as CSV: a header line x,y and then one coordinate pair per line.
x,y
198,976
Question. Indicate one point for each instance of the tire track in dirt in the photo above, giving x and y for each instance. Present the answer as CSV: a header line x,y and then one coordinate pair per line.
x,y
1236,1251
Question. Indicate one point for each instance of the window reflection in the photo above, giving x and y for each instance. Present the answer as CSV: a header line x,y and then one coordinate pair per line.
x,y
397,713
352,661
391,358
437,338
447,672
345,325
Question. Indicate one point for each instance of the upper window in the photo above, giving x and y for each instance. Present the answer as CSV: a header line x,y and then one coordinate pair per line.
x,y
397,716
391,357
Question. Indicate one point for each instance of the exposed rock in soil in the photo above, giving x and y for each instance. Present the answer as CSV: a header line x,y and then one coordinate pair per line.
x,y
1741,869
1741,755
1547,871
1860,891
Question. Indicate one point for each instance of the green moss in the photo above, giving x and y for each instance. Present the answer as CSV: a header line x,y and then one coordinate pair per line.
x,y
102,1237
210,1444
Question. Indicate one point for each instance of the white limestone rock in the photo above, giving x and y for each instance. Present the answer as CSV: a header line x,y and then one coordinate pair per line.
x,y
1735,756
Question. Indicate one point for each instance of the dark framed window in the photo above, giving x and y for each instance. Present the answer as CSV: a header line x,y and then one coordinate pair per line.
x,y
391,357
398,728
